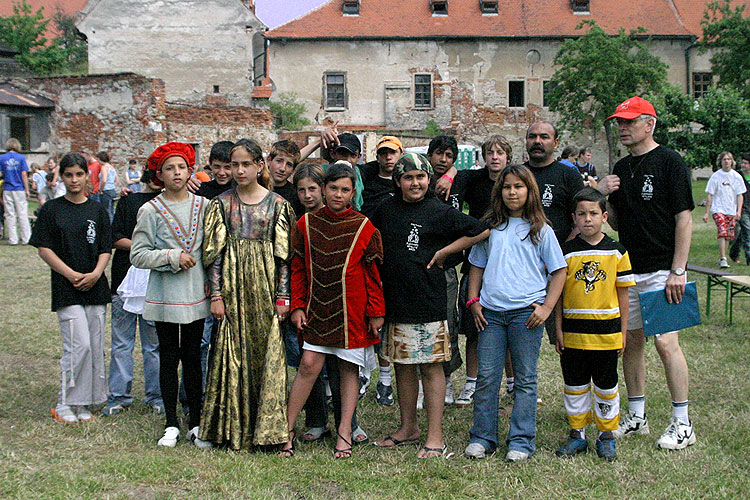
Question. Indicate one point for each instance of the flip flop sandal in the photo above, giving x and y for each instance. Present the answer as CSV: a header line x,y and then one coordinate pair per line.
x,y
396,442
427,450
347,452
357,433
316,433
288,452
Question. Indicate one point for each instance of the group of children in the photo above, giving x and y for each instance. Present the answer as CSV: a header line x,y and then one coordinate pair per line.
x,y
319,274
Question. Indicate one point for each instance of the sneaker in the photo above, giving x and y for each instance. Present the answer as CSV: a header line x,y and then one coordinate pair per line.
x,y
631,424
64,414
573,446
516,456
449,393
677,436
467,395
475,451
420,397
113,408
170,437
192,436
157,407
84,414
384,394
605,446
723,264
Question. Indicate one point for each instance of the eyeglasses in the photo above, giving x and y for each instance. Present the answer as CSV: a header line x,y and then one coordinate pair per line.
x,y
628,122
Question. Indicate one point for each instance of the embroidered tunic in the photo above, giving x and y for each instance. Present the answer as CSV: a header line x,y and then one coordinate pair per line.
x,y
164,230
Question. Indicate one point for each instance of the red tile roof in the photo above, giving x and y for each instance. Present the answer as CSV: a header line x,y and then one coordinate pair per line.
x,y
517,18
50,6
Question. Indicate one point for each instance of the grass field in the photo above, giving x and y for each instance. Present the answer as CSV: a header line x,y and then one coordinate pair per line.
x,y
118,458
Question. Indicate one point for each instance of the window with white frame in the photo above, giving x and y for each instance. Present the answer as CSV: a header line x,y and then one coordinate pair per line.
x,y
334,91
423,97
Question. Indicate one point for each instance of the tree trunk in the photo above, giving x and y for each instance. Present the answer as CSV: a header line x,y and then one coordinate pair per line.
x,y
608,132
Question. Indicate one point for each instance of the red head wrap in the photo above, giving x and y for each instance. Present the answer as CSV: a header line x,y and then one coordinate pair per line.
x,y
160,154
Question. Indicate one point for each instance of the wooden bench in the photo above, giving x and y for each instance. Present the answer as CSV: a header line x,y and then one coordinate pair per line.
x,y
738,285
714,278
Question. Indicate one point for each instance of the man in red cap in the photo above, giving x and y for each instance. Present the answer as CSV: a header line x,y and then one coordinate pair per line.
x,y
650,200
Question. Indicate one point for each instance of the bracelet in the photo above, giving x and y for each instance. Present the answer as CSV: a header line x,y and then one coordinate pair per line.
x,y
446,176
216,299
282,302
471,301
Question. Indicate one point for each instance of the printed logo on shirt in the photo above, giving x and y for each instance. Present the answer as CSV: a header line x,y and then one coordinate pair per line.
x,y
547,195
647,192
412,241
590,274
453,200
91,231
13,164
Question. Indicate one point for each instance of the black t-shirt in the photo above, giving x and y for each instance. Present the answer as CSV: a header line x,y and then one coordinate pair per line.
x,y
412,233
654,187
212,188
123,224
78,233
376,188
475,188
558,184
288,192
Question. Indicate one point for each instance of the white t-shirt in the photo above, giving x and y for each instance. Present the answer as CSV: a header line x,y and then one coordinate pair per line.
x,y
724,187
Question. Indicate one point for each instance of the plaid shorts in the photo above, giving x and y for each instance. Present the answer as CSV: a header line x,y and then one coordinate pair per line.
x,y
725,225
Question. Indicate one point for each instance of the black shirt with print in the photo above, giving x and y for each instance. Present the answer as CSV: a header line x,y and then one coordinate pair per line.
x,y
475,188
123,225
557,186
78,233
654,187
376,189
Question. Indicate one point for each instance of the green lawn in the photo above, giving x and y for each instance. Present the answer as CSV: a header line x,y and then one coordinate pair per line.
x,y
118,457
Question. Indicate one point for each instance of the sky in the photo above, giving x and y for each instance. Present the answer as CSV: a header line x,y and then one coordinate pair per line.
x,y
274,13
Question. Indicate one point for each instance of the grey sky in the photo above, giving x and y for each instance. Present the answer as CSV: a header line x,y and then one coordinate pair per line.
x,y
277,12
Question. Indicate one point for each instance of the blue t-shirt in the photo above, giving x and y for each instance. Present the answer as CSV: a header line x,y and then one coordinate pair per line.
x,y
12,164
515,270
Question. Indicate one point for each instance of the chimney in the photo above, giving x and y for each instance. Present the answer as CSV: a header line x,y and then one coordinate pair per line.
x,y
250,4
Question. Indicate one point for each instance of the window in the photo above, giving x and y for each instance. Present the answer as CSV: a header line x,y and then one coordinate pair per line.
x,y
580,6
350,7
516,94
423,90
488,7
335,91
547,87
216,89
439,7
259,69
20,128
701,83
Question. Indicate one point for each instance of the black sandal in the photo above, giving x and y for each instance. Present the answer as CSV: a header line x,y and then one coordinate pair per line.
x,y
442,451
347,452
288,452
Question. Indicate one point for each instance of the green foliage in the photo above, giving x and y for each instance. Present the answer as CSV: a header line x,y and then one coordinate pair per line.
x,y
287,112
596,73
76,50
432,129
675,110
727,32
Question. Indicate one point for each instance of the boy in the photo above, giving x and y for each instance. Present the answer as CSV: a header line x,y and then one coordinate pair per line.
x,y
591,317
348,148
724,202
742,239
222,174
282,160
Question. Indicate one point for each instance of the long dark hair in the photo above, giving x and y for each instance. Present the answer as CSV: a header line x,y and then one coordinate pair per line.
x,y
498,214
253,148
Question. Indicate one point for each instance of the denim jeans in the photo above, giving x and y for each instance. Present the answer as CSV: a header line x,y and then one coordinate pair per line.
x,y
742,237
121,365
507,330
107,198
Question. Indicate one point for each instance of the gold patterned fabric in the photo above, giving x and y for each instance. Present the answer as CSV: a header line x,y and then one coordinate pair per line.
x,y
247,250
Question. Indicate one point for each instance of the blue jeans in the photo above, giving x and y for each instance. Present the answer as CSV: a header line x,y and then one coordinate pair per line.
x,y
742,237
507,330
107,198
121,365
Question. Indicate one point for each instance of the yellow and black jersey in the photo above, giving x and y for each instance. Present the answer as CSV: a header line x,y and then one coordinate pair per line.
x,y
591,312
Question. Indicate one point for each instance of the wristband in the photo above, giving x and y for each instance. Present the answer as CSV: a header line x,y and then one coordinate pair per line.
x,y
446,176
471,301
216,299
282,302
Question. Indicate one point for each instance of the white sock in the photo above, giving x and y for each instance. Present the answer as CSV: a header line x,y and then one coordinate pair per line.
x,y
637,405
471,381
680,411
385,375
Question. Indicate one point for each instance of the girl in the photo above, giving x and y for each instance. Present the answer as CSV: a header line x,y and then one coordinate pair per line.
x,y
133,177
107,180
246,251
167,239
308,182
74,238
337,300
417,233
511,270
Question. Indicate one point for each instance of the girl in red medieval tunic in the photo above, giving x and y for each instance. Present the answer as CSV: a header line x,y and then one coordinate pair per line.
x,y
337,298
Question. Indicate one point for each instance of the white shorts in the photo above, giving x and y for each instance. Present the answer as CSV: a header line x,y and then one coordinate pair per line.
x,y
643,283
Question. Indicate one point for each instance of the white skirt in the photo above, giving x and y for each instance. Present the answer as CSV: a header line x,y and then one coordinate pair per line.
x,y
361,356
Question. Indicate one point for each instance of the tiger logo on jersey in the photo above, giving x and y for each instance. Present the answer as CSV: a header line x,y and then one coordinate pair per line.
x,y
590,274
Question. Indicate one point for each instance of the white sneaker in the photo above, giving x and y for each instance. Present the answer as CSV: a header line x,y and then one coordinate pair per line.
x,y
467,395
677,436
631,424
420,397
170,437
84,414
192,436
723,263
63,413
475,450
449,398
516,456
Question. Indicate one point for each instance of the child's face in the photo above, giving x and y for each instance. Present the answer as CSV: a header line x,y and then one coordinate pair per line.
x,y
74,179
222,172
245,168
310,194
50,165
588,218
442,161
387,159
745,166
174,173
495,158
345,154
338,194
280,167
414,184
515,194
726,163
584,158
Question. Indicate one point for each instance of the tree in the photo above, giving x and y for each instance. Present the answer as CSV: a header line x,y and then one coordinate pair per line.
x,y
726,32
596,73
71,41
287,112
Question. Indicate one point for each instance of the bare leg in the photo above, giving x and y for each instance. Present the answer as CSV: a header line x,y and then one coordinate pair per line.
x,y
434,396
634,364
349,374
723,243
407,383
309,369
675,366
472,359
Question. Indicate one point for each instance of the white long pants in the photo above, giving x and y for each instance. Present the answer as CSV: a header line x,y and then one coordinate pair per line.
x,y
16,207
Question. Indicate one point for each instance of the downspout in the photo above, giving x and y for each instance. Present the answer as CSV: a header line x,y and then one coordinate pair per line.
x,y
688,73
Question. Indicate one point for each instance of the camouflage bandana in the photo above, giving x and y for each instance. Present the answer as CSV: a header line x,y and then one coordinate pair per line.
x,y
411,161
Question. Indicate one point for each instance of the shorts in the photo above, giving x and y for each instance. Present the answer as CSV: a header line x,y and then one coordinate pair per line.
x,y
416,343
643,283
724,225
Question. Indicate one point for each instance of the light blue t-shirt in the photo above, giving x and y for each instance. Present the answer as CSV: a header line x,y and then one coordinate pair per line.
x,y
515,270
12,164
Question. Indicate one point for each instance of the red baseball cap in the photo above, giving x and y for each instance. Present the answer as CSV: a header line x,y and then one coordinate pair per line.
x,y
633,108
